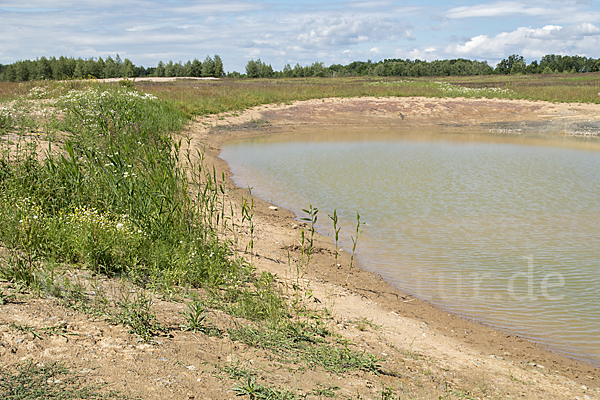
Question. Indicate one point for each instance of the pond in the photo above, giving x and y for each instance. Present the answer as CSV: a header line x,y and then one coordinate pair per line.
x,y
505,230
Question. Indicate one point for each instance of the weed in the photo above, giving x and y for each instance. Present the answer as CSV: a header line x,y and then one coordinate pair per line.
x,y
325,390
194,316
137,314
263,392
237,371
262,301
354,243
362,324
514,378
26,329
304,342
336,230
5,298
60,330
21,270
48,381
387,392
412,353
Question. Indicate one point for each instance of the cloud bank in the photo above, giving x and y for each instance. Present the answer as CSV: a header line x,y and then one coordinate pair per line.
x,y
294,32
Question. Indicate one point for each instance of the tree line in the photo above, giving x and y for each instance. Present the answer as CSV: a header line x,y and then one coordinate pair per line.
x,y
514,64
70,68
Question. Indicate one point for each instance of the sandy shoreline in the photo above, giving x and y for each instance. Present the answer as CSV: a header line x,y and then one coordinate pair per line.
x,y
454,341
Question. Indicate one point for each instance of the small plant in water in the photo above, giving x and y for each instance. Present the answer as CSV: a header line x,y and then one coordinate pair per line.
x,y
354,242
336,230
308,246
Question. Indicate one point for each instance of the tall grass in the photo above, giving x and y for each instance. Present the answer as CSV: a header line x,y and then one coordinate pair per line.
x,y
113,195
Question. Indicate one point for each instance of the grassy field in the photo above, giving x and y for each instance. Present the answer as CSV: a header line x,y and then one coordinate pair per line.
x,y
210,97
200,98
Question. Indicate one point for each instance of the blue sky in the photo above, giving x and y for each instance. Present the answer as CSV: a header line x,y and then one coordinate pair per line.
x,y
331,31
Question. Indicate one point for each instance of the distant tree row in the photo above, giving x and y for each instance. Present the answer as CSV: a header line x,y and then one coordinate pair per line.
x,y
514,64
70,68
549,64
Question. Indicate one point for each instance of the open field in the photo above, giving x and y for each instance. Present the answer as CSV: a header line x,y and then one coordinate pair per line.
x,y
230,95
129,256
197,97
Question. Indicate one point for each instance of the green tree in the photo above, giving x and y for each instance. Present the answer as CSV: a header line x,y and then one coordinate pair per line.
x,y
126,69
111,69
196,69
99,69
160,69
178,69
208,67
219,72
170,69
44,69
187,69
514,64
253,68
79,71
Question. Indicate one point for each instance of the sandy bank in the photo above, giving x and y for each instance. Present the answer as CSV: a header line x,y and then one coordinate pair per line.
x,y
466,349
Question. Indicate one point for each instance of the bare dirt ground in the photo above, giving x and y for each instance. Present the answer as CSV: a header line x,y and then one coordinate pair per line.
x,y
434,354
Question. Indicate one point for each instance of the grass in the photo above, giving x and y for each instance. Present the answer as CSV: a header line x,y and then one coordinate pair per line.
x,y
195,98
114,197
301,342
48,381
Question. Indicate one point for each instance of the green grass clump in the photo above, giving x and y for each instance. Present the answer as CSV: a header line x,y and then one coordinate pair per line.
x,y
48,381
135,312
257,391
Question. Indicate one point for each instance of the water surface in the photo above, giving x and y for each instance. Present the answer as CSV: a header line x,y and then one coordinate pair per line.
x,y
505,230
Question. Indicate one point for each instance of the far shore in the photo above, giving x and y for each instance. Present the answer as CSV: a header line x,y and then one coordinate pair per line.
x,y
464,345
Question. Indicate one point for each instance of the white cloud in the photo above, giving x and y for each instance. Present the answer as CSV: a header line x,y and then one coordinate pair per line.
x,y
500,9
331,31
552,11
578,39
342,31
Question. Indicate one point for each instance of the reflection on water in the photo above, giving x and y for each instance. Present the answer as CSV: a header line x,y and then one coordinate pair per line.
x,y
505,230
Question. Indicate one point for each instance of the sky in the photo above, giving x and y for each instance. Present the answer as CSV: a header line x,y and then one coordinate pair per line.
x,y
328,31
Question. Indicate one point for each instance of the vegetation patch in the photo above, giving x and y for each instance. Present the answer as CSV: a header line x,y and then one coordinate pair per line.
x,y
52,380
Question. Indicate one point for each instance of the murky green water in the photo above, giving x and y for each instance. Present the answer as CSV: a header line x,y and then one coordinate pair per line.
x,y
503,230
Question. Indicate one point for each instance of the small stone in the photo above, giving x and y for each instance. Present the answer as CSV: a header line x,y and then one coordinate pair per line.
x,y
273,208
